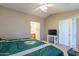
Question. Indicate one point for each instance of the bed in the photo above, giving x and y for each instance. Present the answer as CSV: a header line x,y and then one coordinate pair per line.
x,y
28,47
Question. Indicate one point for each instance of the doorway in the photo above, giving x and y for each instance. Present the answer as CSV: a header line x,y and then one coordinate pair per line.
x,y
35,29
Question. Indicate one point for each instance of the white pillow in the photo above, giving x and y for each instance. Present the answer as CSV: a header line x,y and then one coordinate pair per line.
x,y
29,42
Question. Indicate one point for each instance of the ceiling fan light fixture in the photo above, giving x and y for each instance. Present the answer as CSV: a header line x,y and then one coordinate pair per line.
x,y
44,8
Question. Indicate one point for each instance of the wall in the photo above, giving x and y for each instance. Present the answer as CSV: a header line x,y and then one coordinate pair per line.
x,y
15,24
52,21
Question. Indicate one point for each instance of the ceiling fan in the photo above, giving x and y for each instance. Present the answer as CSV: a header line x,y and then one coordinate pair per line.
x,y
44,7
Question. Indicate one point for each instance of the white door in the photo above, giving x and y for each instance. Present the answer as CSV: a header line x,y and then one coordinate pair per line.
x,y
35,28
64,32
67,32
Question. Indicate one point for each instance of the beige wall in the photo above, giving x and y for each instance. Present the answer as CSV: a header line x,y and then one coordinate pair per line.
x,y
53,20
15,24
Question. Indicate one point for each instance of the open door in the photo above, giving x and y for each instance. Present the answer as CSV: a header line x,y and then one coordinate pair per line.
x,y
35,29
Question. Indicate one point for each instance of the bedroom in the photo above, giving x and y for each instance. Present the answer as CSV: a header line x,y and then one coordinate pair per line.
x,y
30,22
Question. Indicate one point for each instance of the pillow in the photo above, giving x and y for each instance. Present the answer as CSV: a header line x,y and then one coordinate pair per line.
x,y
29,42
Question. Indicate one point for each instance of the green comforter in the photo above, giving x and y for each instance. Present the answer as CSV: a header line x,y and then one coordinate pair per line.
x,y
47,51
15,46
11,47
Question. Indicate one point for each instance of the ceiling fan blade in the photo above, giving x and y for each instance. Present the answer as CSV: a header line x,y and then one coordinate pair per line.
x,y
50,5
46,5
37,8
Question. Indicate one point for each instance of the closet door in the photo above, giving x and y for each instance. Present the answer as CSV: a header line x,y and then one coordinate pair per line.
x,y
64,32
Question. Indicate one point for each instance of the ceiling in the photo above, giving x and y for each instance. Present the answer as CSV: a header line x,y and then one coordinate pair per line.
x,y
33,8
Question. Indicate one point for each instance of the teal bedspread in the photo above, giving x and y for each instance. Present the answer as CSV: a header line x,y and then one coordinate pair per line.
x,y
14,46
11,46
47,51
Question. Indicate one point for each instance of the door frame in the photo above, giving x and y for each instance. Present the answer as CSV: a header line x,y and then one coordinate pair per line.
x,y
38,33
